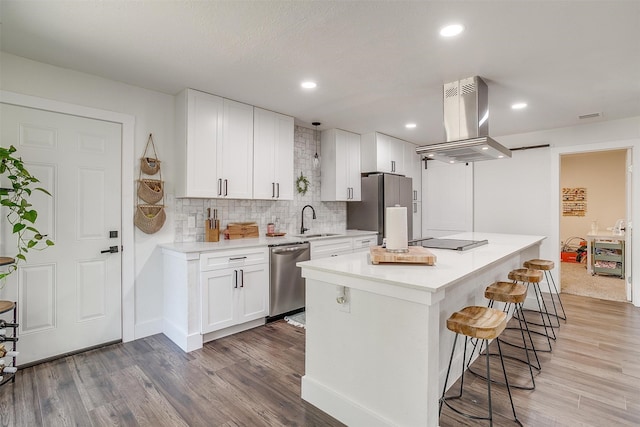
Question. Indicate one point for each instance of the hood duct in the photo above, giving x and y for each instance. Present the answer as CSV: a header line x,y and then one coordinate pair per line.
x,y
466,124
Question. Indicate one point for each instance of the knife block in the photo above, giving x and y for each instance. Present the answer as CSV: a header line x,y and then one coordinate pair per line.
x,y
212,231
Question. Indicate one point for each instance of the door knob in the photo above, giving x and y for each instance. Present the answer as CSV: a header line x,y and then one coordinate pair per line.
x,y
111,250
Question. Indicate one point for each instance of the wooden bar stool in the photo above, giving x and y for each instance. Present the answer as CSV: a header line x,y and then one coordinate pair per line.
x,y
546,266
482,323
533,277
512,293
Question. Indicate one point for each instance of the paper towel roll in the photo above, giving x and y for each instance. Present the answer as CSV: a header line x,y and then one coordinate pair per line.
x,y
395,225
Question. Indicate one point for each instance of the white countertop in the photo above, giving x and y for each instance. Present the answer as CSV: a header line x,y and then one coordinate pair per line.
x,y
190,247
451,266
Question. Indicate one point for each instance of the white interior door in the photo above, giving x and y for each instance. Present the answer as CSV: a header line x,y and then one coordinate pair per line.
x,y
69,295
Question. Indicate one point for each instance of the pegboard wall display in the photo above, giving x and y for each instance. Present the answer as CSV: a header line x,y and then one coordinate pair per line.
x,y
574,201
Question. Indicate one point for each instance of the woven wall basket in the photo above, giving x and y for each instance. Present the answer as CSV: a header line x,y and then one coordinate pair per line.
x,y
150,190
150,165
149,218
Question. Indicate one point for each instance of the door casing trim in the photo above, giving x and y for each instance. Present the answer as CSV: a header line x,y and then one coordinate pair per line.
x,y
127,201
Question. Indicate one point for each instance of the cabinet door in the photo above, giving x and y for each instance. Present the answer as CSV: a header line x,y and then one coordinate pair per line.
x,y
253,293
342,180
272,156
204,135
412,164
264,154
383,152
235,157
353,168
396,149
417,219
283,163
217,305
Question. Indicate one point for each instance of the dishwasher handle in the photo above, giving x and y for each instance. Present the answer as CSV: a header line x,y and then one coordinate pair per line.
x,y
290,249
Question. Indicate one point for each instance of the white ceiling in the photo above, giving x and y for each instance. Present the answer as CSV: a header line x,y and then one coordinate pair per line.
x,y
378,65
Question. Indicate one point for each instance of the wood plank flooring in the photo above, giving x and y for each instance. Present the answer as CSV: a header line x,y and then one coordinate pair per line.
x,y
592,378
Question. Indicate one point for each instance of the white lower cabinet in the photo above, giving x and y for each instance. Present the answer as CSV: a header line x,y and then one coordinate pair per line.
x,y
234,288
233,296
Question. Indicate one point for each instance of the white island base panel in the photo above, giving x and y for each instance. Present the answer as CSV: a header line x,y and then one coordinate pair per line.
x,y
381,358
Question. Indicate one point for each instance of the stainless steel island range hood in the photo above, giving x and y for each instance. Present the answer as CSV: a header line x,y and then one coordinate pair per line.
x,y
466,124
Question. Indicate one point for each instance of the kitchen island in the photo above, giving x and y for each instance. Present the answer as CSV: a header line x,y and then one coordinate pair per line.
x,y
377,345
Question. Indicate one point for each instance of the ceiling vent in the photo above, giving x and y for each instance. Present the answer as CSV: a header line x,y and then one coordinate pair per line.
x,y
589,116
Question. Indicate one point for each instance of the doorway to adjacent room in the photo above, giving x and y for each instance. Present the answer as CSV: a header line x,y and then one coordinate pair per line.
x,y
594,208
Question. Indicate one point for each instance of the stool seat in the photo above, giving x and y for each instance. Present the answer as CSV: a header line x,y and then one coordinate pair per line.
x,y
6,306
478,322
539,264
526,275
508,292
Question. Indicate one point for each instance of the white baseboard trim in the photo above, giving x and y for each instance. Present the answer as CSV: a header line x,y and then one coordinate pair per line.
x,y
183,340
340,407
148,328
233,330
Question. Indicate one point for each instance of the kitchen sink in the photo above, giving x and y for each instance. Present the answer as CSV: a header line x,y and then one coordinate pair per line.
x,y
311,236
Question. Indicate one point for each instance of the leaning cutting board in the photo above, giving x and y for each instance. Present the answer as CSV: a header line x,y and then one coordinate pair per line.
x,y
416,255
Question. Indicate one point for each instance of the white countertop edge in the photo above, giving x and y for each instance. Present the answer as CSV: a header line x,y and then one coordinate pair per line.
x,y
190,247
451,266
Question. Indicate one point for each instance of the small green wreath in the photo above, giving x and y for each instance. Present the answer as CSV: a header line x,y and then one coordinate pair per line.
x,y
302,184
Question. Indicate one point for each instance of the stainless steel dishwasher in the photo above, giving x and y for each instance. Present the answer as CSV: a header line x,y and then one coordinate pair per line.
x,y
286,283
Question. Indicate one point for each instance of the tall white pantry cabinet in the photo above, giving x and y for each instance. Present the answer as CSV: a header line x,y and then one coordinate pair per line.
x,y
215,140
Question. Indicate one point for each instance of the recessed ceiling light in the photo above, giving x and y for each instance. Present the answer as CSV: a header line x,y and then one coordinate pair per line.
x,y
410,125
501,156
430,155
308,85
485,148
451,30
452,161
519,105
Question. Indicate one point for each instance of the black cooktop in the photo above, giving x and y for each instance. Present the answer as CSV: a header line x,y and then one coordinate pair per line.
x,y
453,244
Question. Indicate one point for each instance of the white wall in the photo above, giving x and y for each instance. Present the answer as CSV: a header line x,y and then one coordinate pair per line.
x,y
521,194
154,113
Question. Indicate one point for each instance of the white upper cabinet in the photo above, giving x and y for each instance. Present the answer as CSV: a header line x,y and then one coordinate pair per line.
x,y
272,155
413,166
383,153
214,156
340,166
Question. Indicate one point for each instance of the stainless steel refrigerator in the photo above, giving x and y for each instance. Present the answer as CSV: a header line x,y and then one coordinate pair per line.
x,y
380,191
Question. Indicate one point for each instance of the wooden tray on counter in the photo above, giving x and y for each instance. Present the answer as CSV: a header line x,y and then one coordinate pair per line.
x,y
416,255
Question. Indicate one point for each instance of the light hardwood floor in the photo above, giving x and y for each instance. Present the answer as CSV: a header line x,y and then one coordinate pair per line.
x,y
592,378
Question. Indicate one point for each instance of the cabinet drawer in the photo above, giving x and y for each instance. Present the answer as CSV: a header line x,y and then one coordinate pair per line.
x,y
325,248
364,243
236,258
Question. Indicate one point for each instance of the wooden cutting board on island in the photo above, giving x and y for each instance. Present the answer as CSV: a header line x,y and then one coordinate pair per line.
x,y
415,255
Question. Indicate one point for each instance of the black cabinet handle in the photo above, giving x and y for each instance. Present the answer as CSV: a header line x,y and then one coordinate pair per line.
x,y
219,187
235,279
242,278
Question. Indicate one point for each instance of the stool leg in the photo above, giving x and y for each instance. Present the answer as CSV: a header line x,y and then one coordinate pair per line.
x,y
524,343
506,381
446,379
548,276
543,311
486,349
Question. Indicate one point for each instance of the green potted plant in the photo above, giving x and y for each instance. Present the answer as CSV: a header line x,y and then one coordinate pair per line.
x,y
18,186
